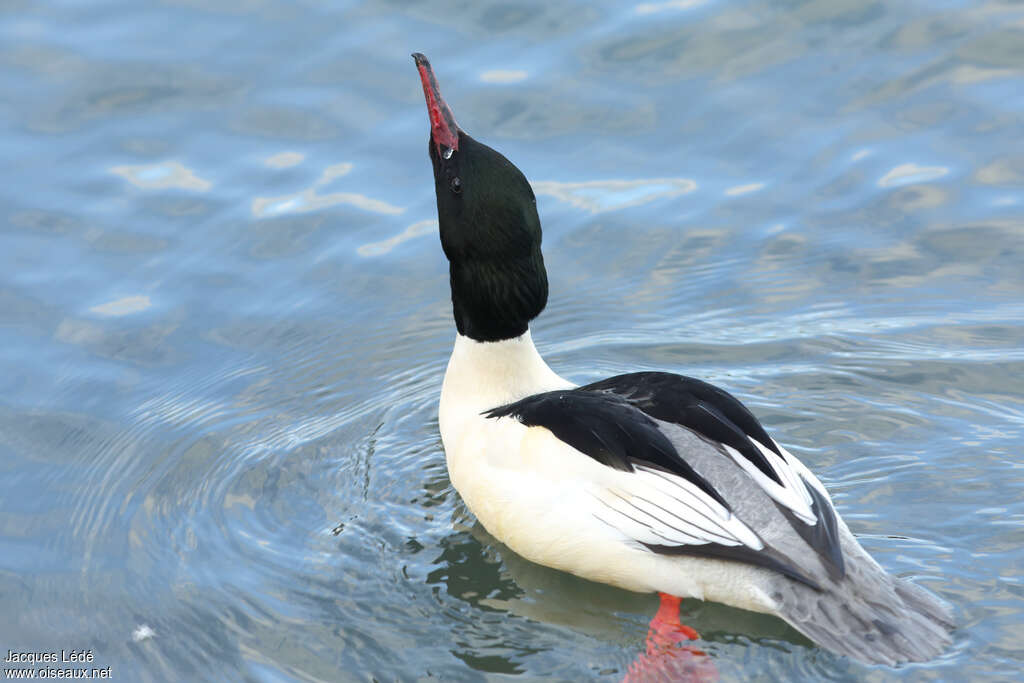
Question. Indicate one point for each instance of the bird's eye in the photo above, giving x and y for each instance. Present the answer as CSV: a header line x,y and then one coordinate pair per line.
x,y
456,185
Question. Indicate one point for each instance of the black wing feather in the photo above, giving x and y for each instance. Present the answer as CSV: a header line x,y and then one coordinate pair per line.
x,y
696,405
739,553
606,428
823,536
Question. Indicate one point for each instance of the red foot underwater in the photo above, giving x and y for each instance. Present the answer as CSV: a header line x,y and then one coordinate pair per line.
x,y
665,659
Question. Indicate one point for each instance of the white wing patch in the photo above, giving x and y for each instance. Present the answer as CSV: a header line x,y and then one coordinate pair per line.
x,y
792,493
655,507
802,470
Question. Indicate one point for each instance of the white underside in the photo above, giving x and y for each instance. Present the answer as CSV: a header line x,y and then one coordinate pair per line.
x,y
542,498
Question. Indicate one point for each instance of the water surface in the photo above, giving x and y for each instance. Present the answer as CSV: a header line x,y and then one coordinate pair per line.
x,y
224,315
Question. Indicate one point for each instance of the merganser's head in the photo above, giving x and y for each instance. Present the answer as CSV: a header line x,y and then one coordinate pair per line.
x,y
489,226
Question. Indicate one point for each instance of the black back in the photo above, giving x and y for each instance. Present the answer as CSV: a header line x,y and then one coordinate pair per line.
x,y
702,407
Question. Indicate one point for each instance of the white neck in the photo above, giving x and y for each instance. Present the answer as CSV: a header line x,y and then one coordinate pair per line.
x,y
485,375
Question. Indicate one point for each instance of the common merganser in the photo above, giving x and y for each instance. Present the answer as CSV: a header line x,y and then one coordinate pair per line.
x,y
648,481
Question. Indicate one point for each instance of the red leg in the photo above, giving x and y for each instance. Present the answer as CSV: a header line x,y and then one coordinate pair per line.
x,y
665,659
665,629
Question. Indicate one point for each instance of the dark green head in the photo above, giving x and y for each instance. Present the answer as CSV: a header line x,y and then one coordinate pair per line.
x,y
489,227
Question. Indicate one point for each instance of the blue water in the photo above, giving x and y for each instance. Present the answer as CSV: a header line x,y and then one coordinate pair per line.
x,y
224,315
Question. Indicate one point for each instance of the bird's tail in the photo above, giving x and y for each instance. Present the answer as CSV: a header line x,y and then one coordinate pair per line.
x,y
870,616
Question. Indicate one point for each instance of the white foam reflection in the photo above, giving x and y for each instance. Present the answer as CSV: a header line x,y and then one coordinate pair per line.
x,y
310,198
744,189
142,632
598,196
284,160
503,76
384,246
905,174
124,306
333,171
163,175
654,7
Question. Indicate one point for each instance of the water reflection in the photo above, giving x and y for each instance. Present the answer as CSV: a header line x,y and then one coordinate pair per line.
x,y
905,174
599,196
1006,171
474,567
124,306
285,160
424,227
655,7
744,189
503,76
199,385
162,176
310,199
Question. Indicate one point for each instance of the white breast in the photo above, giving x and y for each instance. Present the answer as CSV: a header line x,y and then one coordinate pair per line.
x,y
485,375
